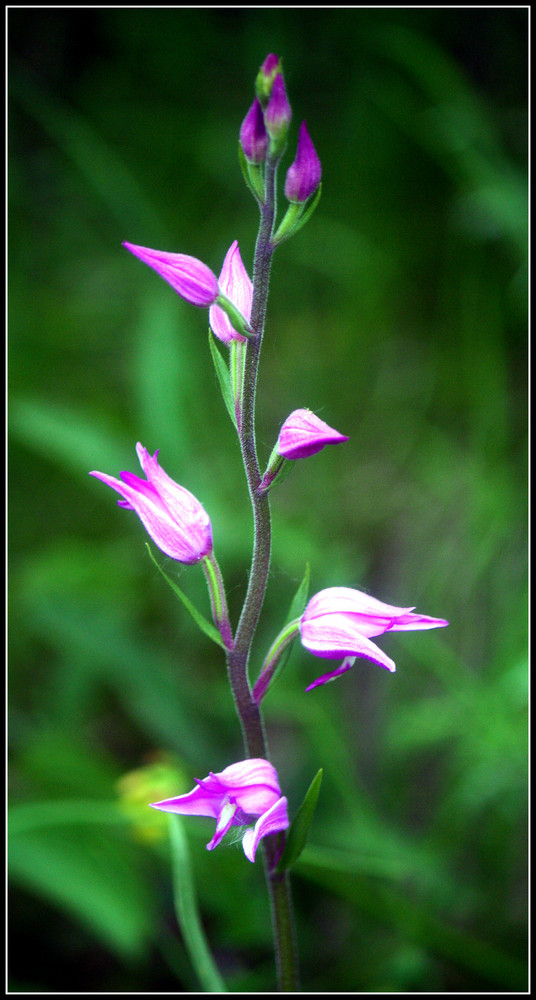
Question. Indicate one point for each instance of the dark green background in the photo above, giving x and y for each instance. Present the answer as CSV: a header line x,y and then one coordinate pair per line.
x,y
399,316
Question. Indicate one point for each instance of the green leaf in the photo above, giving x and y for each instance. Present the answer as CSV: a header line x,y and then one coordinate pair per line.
x,y
308,211
253,176
298,830
187,911
95,875
295,219
198,618
299,600
224,377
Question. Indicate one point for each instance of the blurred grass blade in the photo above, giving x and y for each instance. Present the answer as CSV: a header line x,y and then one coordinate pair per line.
x,y
198,618
187,911
29,816
299,828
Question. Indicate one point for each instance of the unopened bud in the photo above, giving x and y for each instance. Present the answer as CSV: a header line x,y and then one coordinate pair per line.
x,y
277,115
304,176
265,78
253,137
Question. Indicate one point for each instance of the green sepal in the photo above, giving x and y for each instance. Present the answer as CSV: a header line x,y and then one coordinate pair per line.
x,y
293,220
298,830
198,618
224,377
238,321
253,175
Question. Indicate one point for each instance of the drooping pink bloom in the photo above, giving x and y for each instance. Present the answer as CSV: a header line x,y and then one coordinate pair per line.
x,y
303,434
305,174
253,137
236,285
172,516
340,621
236,797
190,278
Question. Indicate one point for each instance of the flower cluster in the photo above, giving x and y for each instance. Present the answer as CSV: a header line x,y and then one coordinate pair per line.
x,y
265,128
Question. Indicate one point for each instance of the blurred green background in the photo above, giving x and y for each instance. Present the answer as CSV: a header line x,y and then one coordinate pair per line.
x,y
399,315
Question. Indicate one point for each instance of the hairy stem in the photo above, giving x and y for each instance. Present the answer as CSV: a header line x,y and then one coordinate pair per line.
x,y
238,657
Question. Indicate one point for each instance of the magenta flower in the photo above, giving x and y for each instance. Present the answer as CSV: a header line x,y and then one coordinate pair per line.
x,y
303,434
172,516
340,621
235,797
190,278
236,286
253,137
304,175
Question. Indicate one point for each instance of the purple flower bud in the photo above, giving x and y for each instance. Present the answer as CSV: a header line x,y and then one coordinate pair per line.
x,y
235,797
278,114
253,137
304,176
236,285
270,65
304,434
172,516
340,621
192,279
265,78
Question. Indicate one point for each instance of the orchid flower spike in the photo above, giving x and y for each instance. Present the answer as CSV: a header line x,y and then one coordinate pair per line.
x,y
235,283
341,621
172,516
236,797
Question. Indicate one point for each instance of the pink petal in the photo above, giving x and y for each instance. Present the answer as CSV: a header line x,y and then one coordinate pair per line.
x,y
236,285
188,276
338,635
273,820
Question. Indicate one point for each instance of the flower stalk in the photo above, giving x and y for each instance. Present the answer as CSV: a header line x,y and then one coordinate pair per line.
x,y
238,657
218,601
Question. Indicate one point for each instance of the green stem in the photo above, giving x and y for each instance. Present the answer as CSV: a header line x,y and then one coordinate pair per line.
x,y
238,657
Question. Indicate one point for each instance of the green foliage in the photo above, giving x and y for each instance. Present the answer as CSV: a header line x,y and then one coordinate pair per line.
x,y
187,910
298,830
202,623
399,316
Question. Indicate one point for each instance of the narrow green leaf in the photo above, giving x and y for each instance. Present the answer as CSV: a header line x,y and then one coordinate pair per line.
x,y
198,618
298,830
187,911
299,600
224,377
